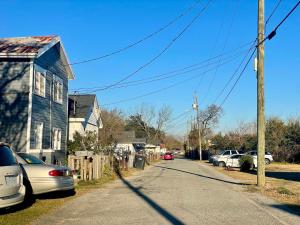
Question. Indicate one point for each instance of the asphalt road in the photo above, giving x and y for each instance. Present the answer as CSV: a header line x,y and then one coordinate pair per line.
x,y
172,192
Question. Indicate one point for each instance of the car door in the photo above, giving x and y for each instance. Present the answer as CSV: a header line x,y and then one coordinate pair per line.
x,y
10,173
234,161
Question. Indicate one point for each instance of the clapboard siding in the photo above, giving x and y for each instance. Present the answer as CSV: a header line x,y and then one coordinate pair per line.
x,y
14,100
52,114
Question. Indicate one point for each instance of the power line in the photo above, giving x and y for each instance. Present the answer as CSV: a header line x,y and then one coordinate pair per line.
x,y
237,80
273,11
234,73
273,33
142,39
157,91
162,76
230,54
224,46
214,45
164,49
187,111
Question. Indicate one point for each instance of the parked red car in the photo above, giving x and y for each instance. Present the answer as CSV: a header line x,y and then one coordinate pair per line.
x,y
168,156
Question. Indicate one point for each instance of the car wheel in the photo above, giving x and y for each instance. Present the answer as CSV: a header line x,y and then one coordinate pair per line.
x,y
221,164
267,161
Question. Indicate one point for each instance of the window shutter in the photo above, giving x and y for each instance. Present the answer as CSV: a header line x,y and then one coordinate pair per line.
x,y
42,86
54,138
58,139
37,82
59,92
55,90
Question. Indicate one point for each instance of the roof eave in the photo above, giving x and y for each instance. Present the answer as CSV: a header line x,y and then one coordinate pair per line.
x,y
18,55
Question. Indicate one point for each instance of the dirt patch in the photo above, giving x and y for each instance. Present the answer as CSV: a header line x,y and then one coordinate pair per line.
x,y
282,182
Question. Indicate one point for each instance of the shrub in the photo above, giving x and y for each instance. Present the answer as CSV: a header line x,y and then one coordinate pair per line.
x,y
246,162
284,191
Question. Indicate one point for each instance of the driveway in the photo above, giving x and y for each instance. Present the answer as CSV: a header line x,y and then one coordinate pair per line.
x,y
172,192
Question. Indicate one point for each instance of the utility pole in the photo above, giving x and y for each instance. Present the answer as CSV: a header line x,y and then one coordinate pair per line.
x,y
196,108
260,96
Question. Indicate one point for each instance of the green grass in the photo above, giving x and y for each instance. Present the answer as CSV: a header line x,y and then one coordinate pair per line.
x,y
284,191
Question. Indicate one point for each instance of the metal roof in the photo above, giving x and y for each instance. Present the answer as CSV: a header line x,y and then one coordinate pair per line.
x,y
25,45
33,47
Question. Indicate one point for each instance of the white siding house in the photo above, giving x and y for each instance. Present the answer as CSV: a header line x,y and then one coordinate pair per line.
x,y
84,114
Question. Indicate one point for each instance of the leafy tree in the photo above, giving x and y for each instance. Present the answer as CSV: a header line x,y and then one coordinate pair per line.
x,y
85,142
275,132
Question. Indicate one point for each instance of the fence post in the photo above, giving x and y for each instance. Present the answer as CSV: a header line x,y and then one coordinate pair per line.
x,y
90,167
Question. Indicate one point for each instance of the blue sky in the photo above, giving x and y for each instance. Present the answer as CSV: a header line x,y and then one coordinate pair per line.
x,y
92,28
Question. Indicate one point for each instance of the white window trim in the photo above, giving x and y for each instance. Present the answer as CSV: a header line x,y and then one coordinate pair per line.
x,y
43,73
56,144
41,135
55,95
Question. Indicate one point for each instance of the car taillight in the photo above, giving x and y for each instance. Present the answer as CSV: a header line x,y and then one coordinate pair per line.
x,y
56,173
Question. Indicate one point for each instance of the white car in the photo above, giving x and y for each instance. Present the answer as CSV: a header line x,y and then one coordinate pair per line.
x,y
42,178
12,190
268,156
223,155
233,161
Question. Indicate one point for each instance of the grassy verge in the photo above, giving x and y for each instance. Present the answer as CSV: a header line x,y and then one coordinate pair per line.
x,y
22,215
282,182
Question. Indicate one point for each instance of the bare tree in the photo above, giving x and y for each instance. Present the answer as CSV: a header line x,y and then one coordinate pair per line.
x,y
113,124
209,118
163,117
152,122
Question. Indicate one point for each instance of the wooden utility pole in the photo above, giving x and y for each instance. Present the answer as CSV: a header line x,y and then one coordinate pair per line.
x,y
260,97
196,107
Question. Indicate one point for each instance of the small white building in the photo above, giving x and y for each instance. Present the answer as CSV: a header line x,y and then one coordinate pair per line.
x,y
84,114
152,149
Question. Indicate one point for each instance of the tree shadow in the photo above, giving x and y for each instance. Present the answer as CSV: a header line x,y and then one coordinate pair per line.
x,y
290,208
199,175
163,212
284,175
14,93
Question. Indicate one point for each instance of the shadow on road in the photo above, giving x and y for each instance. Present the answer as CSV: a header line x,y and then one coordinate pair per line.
x,y
199,175
167,215
290,208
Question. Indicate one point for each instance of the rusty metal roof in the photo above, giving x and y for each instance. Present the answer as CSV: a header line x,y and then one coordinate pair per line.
x,y
33,47
27,45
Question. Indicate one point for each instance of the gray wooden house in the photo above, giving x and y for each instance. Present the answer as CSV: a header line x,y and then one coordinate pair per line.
x,y
34,75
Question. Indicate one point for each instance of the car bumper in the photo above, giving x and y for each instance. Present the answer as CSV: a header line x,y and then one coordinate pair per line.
x,y
13,199
52,184
168,158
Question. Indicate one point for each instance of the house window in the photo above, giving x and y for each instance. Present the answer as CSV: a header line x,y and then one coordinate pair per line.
x,y
38,135
57,90
40,83
56,138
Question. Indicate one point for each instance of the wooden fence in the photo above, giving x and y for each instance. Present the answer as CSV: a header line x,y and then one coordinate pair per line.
x,y
92,167
89,168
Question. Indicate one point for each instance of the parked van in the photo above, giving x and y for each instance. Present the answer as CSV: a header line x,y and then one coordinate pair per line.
x,y
12,190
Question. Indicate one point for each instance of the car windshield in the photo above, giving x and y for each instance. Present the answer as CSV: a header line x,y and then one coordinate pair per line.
x,y
30,159
222,152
